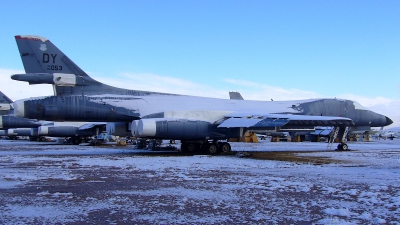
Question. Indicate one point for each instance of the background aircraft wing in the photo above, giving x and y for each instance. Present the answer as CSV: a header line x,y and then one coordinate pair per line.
x,y
91,125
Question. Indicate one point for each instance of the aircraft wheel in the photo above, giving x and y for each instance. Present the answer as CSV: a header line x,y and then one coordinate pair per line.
x,y
340,147
345,147
225,147
212,149
184,147
75,141
191,147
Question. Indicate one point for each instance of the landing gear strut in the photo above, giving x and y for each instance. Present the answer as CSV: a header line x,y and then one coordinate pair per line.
x,y
342,133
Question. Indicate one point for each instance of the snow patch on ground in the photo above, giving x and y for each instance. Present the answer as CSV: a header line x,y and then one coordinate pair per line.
x,y
75,184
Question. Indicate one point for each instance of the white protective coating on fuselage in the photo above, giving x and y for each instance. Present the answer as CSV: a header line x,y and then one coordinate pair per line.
x,y
5,107
43,130
196,108
63,79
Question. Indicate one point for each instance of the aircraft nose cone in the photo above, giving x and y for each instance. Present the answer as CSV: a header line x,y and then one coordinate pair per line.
x,y
388,121
19,108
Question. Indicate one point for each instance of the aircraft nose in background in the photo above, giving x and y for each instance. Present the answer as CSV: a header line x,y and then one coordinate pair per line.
x,y
19,108
388,121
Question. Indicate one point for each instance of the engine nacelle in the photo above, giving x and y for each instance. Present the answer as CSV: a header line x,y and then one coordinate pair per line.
x,y
64,131
134,128
19,132
121,129
3,133
8,121
34,132
162,128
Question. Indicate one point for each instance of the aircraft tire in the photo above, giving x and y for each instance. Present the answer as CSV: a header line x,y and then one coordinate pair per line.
x,y
75,141
225,147
212,149
340,147
184,147
191,147
345,147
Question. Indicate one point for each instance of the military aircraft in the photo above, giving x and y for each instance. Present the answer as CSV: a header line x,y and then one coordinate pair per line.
x,y
199,122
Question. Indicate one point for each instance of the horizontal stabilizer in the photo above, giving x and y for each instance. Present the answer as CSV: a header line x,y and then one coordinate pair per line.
x,y
58,79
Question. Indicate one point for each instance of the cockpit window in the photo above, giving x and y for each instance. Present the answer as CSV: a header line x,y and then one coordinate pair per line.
x,y
358,106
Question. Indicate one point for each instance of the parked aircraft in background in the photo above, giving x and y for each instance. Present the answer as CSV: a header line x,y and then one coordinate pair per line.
x,y
8,120
387,133
199,122
12,126
235,95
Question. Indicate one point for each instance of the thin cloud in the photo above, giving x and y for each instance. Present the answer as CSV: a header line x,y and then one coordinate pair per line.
x,y
366,101
165,84
259,91
19,90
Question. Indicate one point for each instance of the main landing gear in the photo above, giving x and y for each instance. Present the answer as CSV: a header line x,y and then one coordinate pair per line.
x,y
343,147
211,148
342,133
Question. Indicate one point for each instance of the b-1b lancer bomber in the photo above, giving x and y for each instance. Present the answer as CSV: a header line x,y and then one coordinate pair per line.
x,y
200,123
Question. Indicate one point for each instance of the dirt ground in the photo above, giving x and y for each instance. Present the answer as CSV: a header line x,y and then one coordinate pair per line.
x,y
101,189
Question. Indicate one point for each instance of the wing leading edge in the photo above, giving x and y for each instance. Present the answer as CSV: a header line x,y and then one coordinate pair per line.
x,y
279,120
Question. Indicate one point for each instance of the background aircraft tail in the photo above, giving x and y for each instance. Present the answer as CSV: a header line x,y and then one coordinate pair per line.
x,y
4,99
5,105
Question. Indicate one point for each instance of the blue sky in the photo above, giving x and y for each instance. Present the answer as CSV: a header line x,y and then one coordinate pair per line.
x,y
264,49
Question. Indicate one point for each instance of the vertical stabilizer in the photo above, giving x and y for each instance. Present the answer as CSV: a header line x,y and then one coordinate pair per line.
x,y
235,95
4,99
5,104
39,55
44,63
